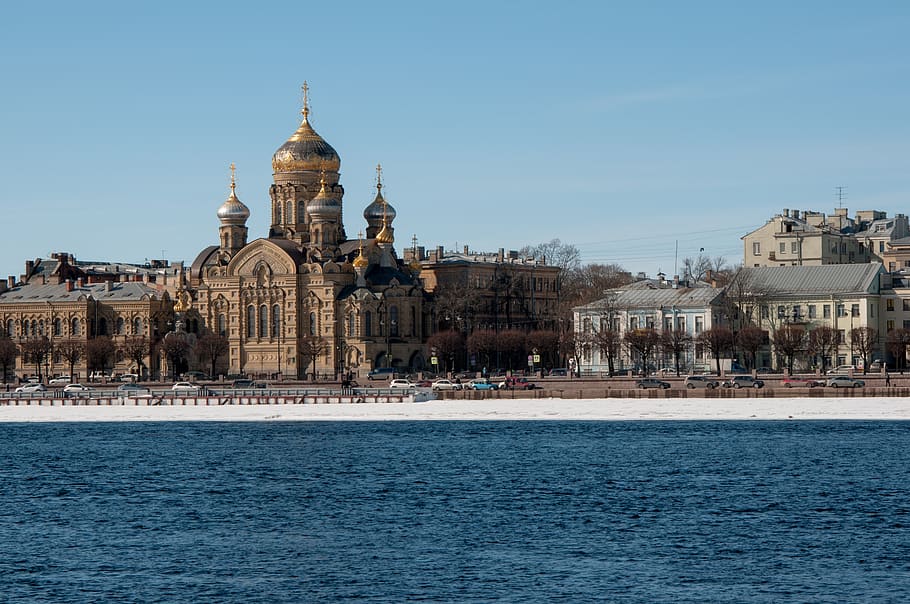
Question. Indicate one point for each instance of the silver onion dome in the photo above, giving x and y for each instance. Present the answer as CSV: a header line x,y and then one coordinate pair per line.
x,y
233,211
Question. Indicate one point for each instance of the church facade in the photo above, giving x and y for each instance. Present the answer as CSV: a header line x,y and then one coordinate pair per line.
x,y
306,300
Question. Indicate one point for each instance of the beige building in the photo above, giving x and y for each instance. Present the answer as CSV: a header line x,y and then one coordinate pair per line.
x,y
841,296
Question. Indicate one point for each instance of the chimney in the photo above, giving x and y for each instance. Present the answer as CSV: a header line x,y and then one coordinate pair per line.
x,y
11,281
69,285
466,250
108,286
675,281
502,254
439,253
80,283
786,213
43,279
29,267
123,278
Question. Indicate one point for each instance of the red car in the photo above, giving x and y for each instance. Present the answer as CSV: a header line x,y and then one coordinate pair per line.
x,y
517,383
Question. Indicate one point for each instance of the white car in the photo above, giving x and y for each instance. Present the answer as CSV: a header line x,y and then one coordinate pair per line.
x,y
60,380
403,384
76,389
185,387
31,388
446,385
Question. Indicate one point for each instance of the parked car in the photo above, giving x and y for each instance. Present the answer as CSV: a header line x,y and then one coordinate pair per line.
x,y
702,381
196,376
243,384
129,377
446,385
844,381
517,383
185,387
127,388
382,373
77,389
561,372
841,370
31,388
792,381
652,383
97,376
481,384
60,380
744,381
402,384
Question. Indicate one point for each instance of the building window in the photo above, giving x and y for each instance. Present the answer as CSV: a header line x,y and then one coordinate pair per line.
x,y
841,310
681,323
312,324
351,325
764,312
841,336
368,324
826,311
222,325
76,327
781,312
881,246
756,248
794,247
586,325
633,322
906,323
812,311
118,325
796,313
393,321
102,326
854,310
11,328
889,304
783,247
251,321
906,303
276,321
889,325
263,321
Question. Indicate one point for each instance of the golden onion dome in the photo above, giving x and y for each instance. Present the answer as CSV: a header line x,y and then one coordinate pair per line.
x,y
233,211
361,261
305,150
385,235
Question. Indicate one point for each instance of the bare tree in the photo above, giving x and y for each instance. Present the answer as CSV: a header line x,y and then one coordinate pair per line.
x,y
642,343
72,352
137,349
176,350
311,348
211,347
8,353
546,343
100,353
863,340
482,343
789,341
751,339
448,346
675,342
36,351
822,342
608,341
718,341
511,344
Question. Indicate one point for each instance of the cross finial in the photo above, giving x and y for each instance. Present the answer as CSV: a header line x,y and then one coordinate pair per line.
x,y
233,179
379,177
306,99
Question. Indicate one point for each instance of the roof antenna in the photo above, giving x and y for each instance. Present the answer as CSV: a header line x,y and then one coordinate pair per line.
x,y
840,196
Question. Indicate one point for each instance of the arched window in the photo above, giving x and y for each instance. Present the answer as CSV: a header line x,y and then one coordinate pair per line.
x,y
413,325
278,213
263,321
102,326
76,327
276,321
368,324
351,325
393,321
251,321
11,328
222,325
137,326
41,327
290,212
312,324
119,326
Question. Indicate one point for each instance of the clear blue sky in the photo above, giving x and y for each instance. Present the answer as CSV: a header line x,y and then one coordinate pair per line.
x,y
619,127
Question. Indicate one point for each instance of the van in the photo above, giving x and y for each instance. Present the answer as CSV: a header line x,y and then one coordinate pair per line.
x,y
382,373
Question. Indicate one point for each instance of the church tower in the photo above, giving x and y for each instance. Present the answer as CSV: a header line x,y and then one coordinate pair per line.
x,y
299,166
233,215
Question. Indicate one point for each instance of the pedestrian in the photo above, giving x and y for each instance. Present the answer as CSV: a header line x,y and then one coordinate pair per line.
x,y
887,380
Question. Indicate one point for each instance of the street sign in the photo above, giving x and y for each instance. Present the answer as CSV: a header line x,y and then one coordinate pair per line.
x,y
536,358
434,361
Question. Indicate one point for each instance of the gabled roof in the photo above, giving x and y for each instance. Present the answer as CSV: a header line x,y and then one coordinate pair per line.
x,y
119,292
654,294
826,279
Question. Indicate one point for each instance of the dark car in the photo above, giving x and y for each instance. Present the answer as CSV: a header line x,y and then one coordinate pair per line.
x,y
383,373
245,383
652,383
744,381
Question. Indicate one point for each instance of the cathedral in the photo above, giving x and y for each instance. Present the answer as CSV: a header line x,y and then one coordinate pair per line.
x,y
306,300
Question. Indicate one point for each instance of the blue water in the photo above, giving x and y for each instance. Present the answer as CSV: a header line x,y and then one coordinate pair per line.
x,y
455,511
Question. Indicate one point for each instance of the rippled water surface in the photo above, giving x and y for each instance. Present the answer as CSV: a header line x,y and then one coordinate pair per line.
x,y
455,511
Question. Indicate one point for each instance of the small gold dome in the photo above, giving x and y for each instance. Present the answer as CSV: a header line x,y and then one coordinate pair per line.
x,y
385,235
361,261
